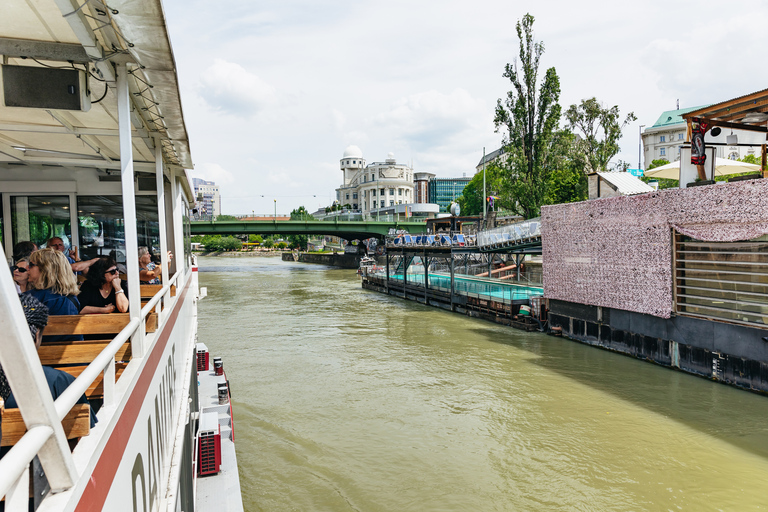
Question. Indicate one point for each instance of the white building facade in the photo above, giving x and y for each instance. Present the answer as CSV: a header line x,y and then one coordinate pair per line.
x,y
664,139
207,197
374,186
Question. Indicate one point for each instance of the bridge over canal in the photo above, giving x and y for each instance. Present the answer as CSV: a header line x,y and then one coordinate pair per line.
x,y
348,230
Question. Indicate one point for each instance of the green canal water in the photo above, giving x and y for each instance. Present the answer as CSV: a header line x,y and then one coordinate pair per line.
x,y
349,400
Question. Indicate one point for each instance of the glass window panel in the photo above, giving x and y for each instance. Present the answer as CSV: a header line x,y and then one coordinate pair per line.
x,y
102,225
39,218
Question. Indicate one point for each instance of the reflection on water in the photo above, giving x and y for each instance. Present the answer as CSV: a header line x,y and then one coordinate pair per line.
x,y
351,400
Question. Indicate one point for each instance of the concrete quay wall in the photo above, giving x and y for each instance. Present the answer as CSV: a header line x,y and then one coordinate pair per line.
x,y
334,260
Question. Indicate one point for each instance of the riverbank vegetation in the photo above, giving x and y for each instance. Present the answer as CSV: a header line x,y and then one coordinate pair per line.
x,y
541,162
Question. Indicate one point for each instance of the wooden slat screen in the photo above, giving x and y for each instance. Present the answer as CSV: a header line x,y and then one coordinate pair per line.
x,y
722,280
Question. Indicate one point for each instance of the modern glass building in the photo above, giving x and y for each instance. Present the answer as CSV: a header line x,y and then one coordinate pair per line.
x,y
443,191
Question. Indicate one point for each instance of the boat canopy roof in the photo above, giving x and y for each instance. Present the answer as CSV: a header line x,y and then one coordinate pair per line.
x,y
94,36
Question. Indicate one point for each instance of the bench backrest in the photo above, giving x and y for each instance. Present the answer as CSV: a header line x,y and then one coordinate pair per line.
x,y
76,424
111,323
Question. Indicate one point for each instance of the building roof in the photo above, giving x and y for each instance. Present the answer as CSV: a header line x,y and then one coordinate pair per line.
x,y
491,156
745,112
672,117
625,183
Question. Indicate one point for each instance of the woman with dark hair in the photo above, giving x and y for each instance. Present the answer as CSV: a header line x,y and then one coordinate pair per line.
x,y
103,291
20,275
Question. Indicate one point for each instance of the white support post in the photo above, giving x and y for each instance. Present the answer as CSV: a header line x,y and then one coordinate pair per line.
x,y
108,381
178,223
161,207
129,206
25,375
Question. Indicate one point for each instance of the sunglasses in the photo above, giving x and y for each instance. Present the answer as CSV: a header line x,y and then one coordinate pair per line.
x,y
20,269
32,264
113,271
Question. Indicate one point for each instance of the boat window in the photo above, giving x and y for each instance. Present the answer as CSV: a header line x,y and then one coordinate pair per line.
x,y
38,218
102,225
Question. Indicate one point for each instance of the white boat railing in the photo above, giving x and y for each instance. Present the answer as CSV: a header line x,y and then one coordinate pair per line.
x,y
14,466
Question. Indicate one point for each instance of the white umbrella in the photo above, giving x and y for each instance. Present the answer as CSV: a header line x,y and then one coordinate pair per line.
x,y
723,166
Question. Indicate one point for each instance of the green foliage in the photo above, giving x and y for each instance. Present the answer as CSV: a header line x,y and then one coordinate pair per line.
x,y
255,239
301,213
282,245
197,239
530,121
566,180
212,242
268,243
751,159
600,132
663,182
231,243
657,163
471,200
226,217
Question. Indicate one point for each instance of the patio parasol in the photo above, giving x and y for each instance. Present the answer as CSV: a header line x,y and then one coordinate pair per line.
x,y
723,166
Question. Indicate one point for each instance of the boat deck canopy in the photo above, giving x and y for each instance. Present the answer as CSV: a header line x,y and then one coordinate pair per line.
x,y
93,36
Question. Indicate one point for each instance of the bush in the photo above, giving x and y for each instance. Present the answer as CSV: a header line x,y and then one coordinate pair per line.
x,y
268,243
255,239
282,245
231,243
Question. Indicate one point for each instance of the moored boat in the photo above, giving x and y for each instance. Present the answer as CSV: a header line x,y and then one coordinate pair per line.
x,y
94,151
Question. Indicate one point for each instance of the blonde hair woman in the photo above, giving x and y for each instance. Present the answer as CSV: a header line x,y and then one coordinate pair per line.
x,y
54,284
149,272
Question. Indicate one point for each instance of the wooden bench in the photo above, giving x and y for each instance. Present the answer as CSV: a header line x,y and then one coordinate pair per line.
x,y
74,356
76,424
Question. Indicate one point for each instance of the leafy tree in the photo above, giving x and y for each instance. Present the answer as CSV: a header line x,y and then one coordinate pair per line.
x,y
566,180
301,213
268,243
471,199
230,243
751,159
282,245
600,131
197,239
255,239
530,120
657,163
226,217
212,242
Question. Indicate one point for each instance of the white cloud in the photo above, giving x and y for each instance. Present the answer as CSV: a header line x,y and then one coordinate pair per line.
x,y
213,172
229,87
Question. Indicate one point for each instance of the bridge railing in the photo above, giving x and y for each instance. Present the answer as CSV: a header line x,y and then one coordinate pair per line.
x,y
518,233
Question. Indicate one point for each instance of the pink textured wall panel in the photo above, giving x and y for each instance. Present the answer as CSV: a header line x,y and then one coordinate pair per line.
x,y
617,252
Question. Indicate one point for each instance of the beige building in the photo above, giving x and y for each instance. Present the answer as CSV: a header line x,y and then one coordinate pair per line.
x,y
664,139
376,185
421,186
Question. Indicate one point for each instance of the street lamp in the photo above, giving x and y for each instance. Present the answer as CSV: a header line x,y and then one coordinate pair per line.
x,y
640,149
275,210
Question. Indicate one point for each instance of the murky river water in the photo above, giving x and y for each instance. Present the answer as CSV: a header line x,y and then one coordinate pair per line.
x,y
346,399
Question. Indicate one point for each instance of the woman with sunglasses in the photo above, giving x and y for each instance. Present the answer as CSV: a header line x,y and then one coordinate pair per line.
x,y
20,275
103,291
52,282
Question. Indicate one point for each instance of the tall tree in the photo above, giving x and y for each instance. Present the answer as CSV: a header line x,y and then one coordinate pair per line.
x,y
566,180
530,120
600,131
471,199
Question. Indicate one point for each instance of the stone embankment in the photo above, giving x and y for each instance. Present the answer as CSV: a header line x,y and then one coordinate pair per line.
x,y
335,260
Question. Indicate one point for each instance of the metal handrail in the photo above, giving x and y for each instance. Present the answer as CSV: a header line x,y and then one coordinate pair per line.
x,y
22,453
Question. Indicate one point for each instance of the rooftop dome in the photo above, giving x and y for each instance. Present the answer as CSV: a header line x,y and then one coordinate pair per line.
x,y
352,152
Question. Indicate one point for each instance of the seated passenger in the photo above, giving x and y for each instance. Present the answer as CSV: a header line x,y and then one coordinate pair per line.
x,y
58,381
149,272
20,275
76,265
22,250
103,291
54,284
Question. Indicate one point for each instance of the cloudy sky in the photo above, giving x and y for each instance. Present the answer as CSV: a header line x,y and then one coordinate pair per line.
x,y
273,92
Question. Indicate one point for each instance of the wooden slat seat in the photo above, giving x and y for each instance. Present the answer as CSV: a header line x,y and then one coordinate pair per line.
x,y
112,323
76,424
78,352
96,390
150,290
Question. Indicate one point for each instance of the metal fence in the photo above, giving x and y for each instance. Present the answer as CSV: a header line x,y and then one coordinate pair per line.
x,y
510,235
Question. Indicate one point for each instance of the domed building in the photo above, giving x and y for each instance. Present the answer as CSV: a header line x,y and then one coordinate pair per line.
x,y
374,186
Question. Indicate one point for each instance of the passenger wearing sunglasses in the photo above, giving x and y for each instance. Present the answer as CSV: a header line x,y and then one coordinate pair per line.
x,y
103,291
20,275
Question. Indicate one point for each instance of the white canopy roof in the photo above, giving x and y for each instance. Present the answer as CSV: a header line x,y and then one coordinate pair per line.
x,y
67,33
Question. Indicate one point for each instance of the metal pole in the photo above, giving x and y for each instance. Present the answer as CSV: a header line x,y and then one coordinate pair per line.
x,y
485,195
129,206
452,288
275,210
640,149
